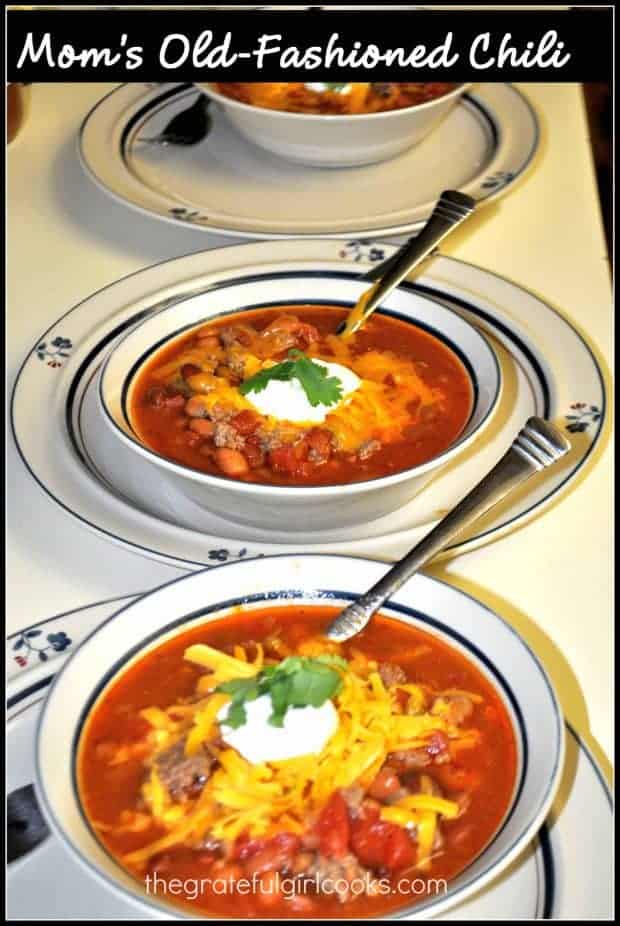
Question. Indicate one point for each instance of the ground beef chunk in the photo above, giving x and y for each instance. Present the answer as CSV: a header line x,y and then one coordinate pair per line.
x,y
383,89
220,413
272,440
225,435
184,776
436,752
392,674
455,708
336,876
320,445
236,362
237,334
367,449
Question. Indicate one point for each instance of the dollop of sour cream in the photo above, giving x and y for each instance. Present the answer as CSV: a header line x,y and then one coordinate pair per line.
x,y
287,400
306,731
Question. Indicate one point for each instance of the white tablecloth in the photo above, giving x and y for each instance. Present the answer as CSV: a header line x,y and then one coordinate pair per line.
x,y
552,578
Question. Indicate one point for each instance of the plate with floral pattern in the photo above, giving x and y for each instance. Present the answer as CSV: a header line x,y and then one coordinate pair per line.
x,y
564,874
548,370
228,185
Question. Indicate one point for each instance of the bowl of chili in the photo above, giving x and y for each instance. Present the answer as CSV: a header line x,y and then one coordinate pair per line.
x,y
248,401
335,125
445,756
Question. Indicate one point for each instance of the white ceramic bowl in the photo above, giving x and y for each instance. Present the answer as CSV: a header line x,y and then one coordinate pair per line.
x,y
462,622
335,141
283,507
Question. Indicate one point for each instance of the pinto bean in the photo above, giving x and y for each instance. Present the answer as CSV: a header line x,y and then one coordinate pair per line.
x,y
202,426
231,462
208,342
195,407
202,382
385,784
174,401
189,369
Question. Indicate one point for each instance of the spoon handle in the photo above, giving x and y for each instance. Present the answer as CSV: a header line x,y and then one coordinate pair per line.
x,y
452,209
536,447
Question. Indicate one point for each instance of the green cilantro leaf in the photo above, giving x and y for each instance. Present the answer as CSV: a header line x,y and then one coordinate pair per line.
x,y
335,86
258,382
236,716
332,659
320,388
314,684
280,700
296,682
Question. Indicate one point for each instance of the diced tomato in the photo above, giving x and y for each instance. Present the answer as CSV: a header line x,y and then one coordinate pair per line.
x,y
385,784
246,422
333,827
379,844
289,457
282,459
399,850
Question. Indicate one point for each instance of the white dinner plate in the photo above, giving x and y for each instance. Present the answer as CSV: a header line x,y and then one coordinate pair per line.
x,y
565,874
548,370
229,185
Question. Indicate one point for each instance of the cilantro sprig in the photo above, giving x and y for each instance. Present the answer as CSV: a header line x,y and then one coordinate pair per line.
x,y
297,681
320,388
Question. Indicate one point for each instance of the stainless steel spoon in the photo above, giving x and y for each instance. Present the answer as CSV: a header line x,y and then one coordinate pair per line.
x,y
538,446
25,826
452,209
188,127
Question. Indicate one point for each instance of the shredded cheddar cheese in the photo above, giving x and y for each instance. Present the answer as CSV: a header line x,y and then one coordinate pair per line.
x,y
269,798
388,401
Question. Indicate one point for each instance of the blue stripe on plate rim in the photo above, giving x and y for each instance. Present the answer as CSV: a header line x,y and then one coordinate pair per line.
x,y
494,185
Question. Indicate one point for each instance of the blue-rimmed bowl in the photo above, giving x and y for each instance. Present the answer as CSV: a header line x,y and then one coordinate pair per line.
x,y
324,140
486,640
285,508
